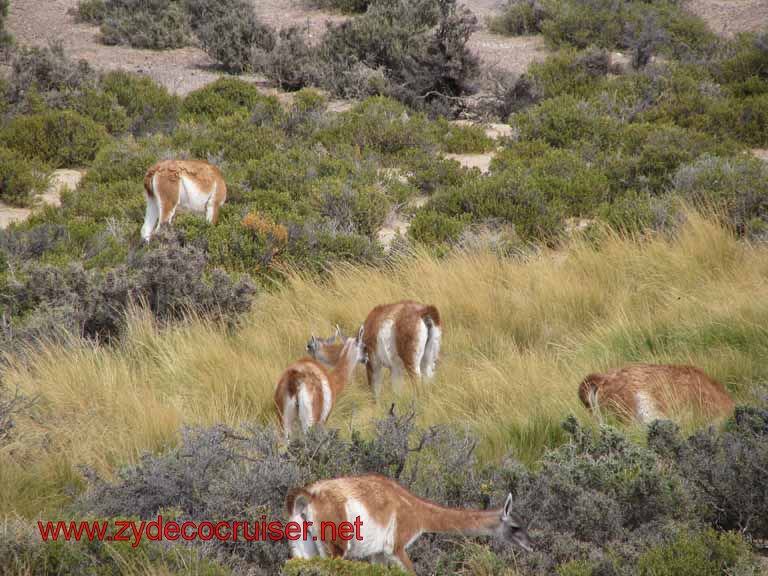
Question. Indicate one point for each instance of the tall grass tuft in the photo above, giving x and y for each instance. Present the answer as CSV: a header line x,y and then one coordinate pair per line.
x,y
519,334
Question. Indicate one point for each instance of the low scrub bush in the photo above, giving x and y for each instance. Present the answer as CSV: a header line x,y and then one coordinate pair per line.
x,y
228,96
737,187
598,504
149,106
519,17
347,6
568,72
47,75
61,138
704,554
23,552
20,178
231,37
334,566
565,120
169,278
5,37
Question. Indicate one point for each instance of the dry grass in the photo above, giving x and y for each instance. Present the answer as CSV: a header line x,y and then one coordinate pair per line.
x,y
518,337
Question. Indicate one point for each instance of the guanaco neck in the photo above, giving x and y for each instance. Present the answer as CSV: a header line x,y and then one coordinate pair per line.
x,y
344,367
436,518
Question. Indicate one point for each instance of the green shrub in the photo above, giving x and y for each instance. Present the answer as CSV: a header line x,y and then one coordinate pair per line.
x,y
48,75
570,72
232,138
705,554
432,227
224,97
564,120
5,37
149,106
337,566
19,178
414,51
519,17
428,172
745,119
92,11
231,37
461,138
103,108
158,24
380,124
125,159
23,553
747,60
61,138
738,187
647,155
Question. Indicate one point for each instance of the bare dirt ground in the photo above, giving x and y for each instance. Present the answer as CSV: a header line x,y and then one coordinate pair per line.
x,y
39,22
60,179
729,17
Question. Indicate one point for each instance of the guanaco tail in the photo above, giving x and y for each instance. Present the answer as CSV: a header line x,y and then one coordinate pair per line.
x,y
392,519
647,392
308,389
194,185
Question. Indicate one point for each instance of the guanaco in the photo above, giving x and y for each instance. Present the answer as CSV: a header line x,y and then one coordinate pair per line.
x,y
308,389
194,185
647,392
392,519
404,337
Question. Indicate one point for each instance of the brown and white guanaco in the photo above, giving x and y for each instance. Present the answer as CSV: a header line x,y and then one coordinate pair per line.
x,y
403,336
195,185
307,389
392,519
647,392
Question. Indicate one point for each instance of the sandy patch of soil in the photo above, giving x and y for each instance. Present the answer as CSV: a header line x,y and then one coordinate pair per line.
x,y
60,179
480,161
729,17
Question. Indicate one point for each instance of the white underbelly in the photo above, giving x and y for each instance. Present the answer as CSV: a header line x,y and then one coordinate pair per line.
x,y
375,538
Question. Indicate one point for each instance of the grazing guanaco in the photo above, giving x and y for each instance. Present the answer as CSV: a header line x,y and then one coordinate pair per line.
x,y
404,337
392,519
195,185
307,390
647,392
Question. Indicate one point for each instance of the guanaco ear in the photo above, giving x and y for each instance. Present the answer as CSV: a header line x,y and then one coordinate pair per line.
x,y
338,333
507,510
360,334
312,345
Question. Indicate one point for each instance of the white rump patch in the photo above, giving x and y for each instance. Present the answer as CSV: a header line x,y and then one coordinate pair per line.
x,y
646,410
305,407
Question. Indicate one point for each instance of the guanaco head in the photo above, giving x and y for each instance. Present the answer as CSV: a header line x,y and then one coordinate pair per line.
x,y
328,350
512,529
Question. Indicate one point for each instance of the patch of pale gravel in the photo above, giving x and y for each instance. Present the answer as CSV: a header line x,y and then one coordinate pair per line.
x,y
729,17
